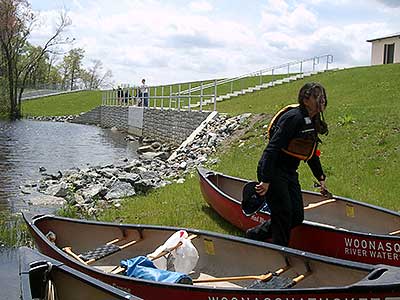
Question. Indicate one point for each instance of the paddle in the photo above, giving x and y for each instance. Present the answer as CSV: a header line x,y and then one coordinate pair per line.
x,y
263,277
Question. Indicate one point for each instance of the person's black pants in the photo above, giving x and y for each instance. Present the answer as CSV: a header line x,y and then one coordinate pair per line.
x,y
286,204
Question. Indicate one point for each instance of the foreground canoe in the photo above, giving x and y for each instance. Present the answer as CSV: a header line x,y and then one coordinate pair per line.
x,y
42,277
337,227
228,267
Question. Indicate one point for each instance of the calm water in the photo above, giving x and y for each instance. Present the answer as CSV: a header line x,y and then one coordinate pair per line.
x,y
27,145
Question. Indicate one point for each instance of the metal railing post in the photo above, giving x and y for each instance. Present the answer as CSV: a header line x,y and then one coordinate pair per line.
x,y
301,67
215,95
190,95
201,96
231,86
162,97
170,95
155,97
179,96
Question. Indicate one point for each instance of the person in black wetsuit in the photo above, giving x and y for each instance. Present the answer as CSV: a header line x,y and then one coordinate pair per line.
x,y
293,138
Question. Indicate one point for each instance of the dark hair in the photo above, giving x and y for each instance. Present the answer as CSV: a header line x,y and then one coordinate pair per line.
x,y
306,92
309,89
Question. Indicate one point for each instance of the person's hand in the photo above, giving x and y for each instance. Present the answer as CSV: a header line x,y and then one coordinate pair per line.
x,y
323,189
262,188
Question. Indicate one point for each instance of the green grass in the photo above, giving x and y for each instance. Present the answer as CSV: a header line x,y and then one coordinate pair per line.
x,y
61,105
361,154
13,231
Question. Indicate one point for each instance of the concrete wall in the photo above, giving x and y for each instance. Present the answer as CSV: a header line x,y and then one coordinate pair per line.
x,y
114,116
163,125
171,125
378,50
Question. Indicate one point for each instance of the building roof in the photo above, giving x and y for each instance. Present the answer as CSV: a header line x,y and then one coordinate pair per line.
x,y
385,37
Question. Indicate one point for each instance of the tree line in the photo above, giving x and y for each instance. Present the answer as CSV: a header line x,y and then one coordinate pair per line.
x,y
26,66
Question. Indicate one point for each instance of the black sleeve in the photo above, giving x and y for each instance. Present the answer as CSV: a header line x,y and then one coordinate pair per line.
x,y
315,165
286,128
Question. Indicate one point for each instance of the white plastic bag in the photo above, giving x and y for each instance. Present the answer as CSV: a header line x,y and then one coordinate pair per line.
x,y
185,256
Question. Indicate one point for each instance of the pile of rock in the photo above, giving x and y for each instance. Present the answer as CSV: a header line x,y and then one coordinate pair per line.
x,y
95,188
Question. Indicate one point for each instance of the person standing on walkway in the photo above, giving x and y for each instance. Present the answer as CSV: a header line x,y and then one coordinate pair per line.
x,y
293,138
144,93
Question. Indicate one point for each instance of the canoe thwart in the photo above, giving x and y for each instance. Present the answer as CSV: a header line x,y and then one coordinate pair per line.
x,y
262,277
314,205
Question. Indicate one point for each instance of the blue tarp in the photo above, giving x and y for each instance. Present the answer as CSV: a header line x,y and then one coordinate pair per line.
x,y
143,268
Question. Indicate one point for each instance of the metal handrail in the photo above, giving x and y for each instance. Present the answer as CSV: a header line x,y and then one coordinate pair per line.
x,y
130,95
315,59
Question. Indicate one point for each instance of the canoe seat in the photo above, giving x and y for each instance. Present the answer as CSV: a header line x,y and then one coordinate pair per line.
x,y
100,252
91,256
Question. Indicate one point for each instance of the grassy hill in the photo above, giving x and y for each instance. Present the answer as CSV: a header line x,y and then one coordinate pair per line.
x,y
62,105
361,154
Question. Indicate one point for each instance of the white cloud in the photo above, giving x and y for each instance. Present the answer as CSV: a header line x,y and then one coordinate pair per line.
x,y
390,3
278,16
201,6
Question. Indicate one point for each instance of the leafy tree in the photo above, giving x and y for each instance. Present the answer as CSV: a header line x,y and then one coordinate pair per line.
x,y
16,23
73,65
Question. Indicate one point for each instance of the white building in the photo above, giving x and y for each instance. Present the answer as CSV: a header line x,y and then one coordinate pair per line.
x,y
386,49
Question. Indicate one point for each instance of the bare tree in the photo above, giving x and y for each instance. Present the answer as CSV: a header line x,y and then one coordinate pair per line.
x,y
95,76
16,23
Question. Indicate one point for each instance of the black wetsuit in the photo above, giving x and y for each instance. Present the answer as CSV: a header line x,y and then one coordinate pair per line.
x,y
278,167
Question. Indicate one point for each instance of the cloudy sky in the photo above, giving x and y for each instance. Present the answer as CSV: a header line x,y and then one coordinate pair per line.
x,y
170,41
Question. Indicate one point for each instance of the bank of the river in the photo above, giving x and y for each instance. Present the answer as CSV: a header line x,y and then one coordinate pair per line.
x,y
87,191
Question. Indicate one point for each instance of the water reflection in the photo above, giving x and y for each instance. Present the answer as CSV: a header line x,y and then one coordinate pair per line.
x,y
27,145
